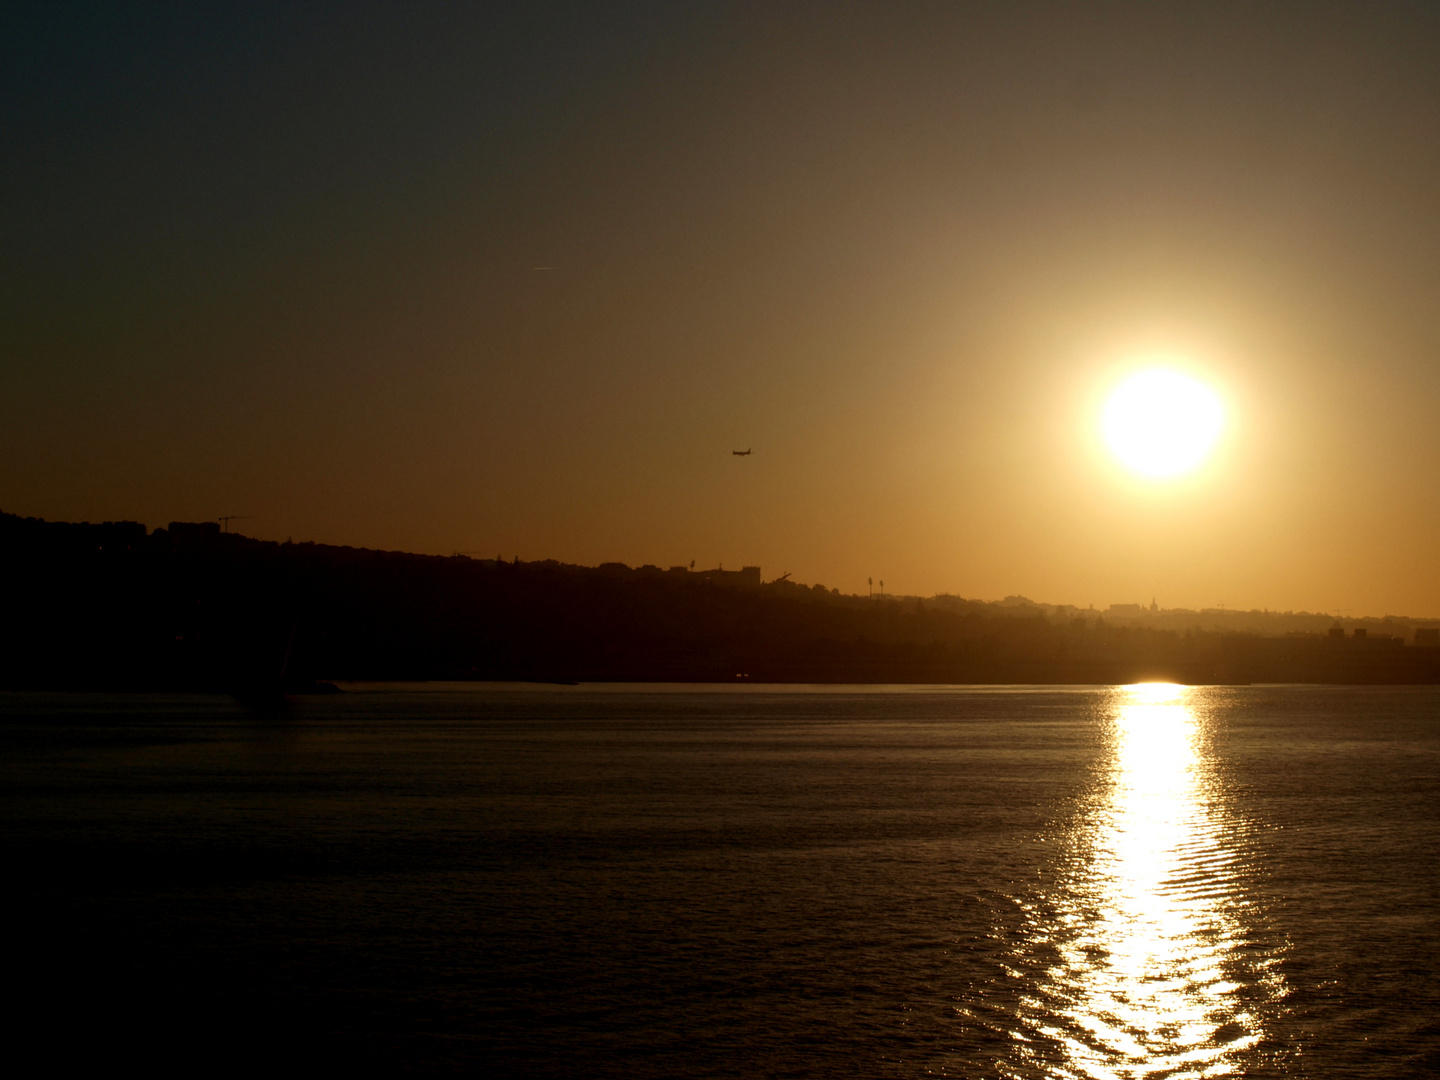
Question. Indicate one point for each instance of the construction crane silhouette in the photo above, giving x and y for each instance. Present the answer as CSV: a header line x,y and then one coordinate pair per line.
x,y
225,521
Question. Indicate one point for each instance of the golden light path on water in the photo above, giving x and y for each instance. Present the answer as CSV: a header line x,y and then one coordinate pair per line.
x,y
1149,938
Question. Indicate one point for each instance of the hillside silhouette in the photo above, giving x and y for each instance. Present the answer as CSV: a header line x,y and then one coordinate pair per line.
x,y
116,606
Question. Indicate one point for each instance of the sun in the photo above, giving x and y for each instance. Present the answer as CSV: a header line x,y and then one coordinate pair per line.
x,y
1160,423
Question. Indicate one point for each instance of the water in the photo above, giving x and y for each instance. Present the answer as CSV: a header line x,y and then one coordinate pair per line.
x,y
654,882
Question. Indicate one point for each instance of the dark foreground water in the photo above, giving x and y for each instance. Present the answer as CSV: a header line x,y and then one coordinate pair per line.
x,y
1135,882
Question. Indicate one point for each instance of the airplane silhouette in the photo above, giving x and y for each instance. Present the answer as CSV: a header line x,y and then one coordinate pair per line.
x,y
741,453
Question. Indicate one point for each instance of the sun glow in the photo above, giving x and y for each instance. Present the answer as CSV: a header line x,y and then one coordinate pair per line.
x,y
1160,423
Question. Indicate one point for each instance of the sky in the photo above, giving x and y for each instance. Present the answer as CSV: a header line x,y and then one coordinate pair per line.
x,y
280,261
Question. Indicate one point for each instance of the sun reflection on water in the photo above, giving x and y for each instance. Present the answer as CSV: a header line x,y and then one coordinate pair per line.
x,y
1148,943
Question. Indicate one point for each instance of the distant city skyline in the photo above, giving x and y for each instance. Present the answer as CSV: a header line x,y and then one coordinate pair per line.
x,y
1217,616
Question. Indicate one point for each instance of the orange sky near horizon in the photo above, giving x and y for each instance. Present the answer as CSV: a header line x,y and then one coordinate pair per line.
x,y
284,266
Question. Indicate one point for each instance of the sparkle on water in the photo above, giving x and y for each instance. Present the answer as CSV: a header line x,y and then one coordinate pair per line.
x,y
1149,928
1160,423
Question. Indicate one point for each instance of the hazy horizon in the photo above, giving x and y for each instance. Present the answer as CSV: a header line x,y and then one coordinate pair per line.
x,y
878,589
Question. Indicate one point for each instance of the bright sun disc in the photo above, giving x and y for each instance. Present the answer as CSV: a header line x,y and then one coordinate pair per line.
x,y
1161,423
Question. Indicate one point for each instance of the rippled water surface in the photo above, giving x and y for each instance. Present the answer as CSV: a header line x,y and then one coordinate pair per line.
x,y
1146,881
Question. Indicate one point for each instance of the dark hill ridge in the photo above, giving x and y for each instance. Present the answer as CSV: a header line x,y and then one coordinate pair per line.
x,y
114,606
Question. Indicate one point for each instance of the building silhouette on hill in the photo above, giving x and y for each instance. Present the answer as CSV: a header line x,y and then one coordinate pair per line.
x,y
747,577
190,606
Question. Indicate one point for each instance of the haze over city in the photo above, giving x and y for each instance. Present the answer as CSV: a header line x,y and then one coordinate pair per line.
x,y
520,282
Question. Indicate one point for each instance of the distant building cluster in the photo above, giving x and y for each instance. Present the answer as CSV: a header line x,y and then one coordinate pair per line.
x,y
1392,630
1134,609
747,577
